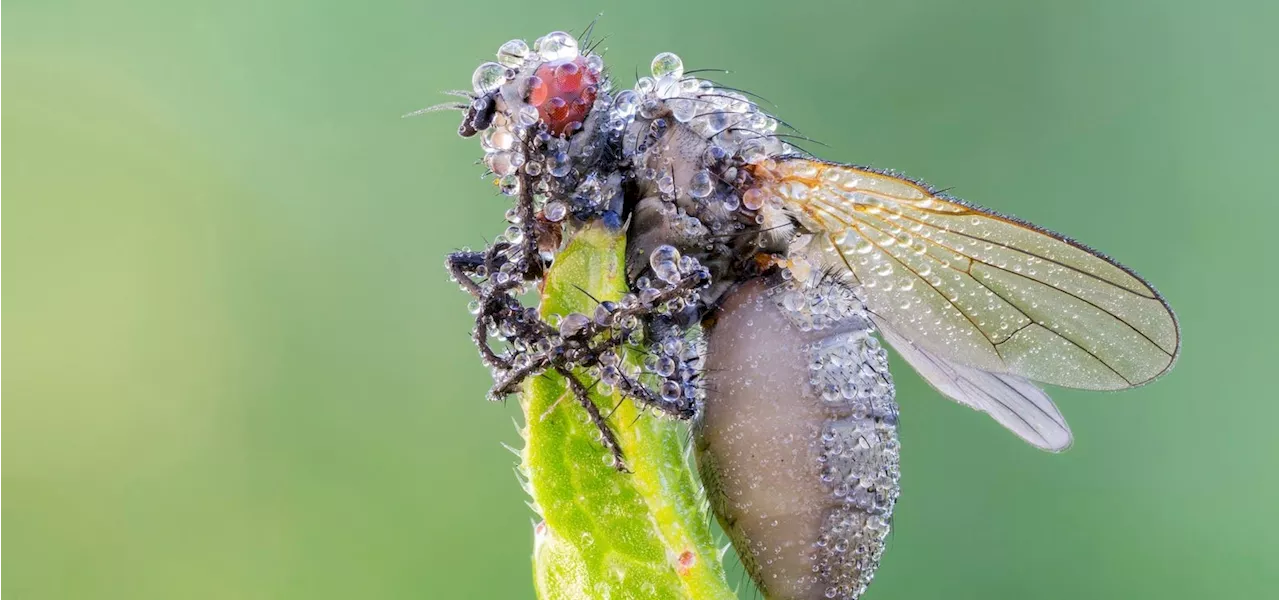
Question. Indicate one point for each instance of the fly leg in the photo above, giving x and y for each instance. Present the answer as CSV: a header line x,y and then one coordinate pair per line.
x,y
496,277
463,266
532,263
466,268
664,312
607,437
680,407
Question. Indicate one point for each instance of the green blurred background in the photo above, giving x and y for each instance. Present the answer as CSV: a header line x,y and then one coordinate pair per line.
x,y
236,368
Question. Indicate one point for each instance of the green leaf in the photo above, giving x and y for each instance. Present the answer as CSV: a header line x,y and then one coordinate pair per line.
x,y
607,534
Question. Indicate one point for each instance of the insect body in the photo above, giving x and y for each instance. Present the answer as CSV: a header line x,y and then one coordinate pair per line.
x,y
797,442
787,265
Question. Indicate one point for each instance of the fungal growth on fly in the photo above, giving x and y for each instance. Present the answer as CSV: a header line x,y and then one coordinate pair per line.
x,y
764,275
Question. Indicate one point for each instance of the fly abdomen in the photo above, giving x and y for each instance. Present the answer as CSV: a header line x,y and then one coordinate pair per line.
x,y
797,445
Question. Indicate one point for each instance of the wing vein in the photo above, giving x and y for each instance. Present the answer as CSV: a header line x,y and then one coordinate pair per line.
x,y
1084,300
896,235
1027,252
994,344
968,271
926,282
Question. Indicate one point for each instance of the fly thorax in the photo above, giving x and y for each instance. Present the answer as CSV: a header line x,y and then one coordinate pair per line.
x,y
797,444
688,143
669,156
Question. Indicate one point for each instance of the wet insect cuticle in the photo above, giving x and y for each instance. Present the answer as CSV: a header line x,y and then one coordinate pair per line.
x,y
760,277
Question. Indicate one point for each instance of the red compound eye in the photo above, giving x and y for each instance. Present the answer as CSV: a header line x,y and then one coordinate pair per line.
x,y
563,91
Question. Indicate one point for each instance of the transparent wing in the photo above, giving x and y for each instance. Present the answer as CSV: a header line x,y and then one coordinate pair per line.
x,y
1012,401
978,289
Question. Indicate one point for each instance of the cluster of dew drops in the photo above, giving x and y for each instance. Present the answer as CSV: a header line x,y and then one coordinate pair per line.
x,y
737,134
565,94
674,355
860,448
537,134
506,142
674,358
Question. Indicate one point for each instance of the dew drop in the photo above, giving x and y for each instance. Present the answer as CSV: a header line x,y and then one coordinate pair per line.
x,y
558,165
573,324
555,211
664,261
500,163
650,109
513,53
610,375
488,77
595,64
527,116
667,64
683,109
666,184
667,87
626,103
700,185
753,199
557,45
501,138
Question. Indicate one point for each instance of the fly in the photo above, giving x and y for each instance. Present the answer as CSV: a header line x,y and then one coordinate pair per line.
x,y
771,272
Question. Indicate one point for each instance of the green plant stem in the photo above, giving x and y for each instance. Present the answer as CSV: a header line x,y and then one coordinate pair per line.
x,y
608,534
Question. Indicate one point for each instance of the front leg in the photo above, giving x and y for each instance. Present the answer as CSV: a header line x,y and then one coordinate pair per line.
x,y
464,267
607,438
